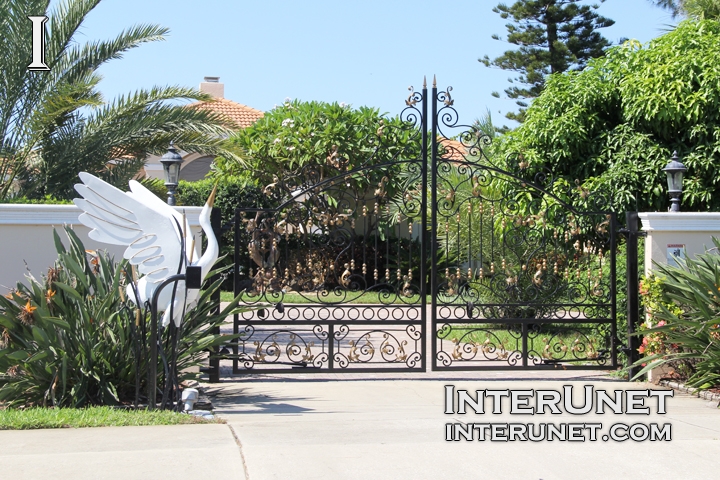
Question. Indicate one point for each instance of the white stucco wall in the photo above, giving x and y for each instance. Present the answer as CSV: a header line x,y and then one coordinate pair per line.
x,y
692,230
26,239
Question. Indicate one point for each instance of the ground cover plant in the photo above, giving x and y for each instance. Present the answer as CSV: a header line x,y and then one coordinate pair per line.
x,y
72,338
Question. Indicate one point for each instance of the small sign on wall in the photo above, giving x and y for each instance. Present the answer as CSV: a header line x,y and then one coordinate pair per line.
x,y
674,251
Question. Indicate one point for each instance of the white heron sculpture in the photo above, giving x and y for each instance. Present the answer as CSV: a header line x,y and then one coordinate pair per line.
x,y
158,238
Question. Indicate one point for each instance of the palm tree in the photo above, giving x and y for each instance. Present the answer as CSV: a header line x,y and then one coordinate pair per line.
x,y
56,123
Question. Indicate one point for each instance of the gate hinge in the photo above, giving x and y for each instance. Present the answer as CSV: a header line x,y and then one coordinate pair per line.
x,y
626,233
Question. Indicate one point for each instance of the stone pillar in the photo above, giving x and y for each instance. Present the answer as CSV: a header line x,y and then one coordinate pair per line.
x,y
671,234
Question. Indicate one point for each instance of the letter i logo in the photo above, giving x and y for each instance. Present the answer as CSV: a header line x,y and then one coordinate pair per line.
x,y
38,43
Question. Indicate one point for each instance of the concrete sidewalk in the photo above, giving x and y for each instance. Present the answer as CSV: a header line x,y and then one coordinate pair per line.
x,y
318,428
121,453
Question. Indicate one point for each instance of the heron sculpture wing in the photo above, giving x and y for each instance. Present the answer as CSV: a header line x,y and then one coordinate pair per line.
x,y
151,232
153,201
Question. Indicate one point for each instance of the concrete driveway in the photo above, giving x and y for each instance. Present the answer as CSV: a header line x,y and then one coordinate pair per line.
x,y
395,429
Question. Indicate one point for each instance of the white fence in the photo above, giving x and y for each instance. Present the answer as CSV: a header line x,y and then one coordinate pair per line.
x,y
26,239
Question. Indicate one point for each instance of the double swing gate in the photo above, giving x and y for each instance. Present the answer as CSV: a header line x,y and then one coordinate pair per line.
x,y
423,248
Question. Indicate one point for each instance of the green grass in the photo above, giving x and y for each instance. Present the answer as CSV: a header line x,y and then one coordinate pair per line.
x,y
33,418
554,336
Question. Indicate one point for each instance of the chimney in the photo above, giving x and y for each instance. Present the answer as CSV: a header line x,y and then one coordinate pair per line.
x,y
212,86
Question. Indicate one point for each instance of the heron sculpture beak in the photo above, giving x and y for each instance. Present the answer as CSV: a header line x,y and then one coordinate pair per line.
x,y
211,198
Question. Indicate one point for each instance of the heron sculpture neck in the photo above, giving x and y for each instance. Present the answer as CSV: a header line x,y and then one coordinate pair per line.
x,y
213,250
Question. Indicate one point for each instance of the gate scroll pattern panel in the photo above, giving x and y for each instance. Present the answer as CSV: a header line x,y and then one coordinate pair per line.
x,y
334,278
359,258
522,278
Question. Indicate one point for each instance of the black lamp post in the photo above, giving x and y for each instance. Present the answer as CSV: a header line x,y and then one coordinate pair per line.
x,y
675,170
171,165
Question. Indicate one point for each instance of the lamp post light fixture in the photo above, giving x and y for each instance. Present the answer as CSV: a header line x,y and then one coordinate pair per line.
x,y
675,170
171,165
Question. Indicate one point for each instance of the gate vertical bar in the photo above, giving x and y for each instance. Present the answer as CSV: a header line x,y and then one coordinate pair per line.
x,y
433,223
613,289
331,347
214,364
423,229
524,332
633,300
236,286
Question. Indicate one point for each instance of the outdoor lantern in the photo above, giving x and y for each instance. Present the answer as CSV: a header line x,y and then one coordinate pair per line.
x,y
171,164
675,171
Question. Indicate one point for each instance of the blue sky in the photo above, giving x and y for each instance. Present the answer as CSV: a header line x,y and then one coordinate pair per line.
x,y
359,52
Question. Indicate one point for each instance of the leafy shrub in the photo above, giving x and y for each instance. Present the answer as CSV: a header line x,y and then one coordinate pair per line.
x,y
614,125
48,200
72,339
689,306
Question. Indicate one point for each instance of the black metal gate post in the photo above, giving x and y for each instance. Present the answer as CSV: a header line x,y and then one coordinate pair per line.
x,y
424,231
613,288
236,283
433,221
633,297
214,364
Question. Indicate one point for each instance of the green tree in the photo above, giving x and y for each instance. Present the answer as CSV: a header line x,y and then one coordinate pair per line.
x,y
56,123
553,36
611,128
322,139
697,9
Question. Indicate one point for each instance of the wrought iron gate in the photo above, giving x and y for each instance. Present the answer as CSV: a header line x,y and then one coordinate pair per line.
x,y
359,259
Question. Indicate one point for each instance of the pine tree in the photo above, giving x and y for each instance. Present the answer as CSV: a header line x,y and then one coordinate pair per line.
x,y
553,36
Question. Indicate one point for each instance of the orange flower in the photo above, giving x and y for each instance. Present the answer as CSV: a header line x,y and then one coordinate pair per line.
x,y
49,296
95,262
26,313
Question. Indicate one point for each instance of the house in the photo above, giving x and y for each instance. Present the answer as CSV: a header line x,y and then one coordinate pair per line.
x,y
196,165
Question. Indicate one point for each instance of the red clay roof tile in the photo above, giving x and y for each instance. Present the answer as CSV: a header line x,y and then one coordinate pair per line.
x,y
240,115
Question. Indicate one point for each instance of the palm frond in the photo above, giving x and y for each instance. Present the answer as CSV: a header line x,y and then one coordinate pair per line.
x,y
55,124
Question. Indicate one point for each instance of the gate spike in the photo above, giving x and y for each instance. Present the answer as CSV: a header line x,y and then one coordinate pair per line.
x,y
424,81
434,81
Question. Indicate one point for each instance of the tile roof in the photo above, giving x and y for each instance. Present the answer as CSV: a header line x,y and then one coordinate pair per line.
x,y
240,115
454,150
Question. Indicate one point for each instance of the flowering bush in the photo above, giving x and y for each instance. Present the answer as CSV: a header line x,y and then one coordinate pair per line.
x,y
332,138
654,342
